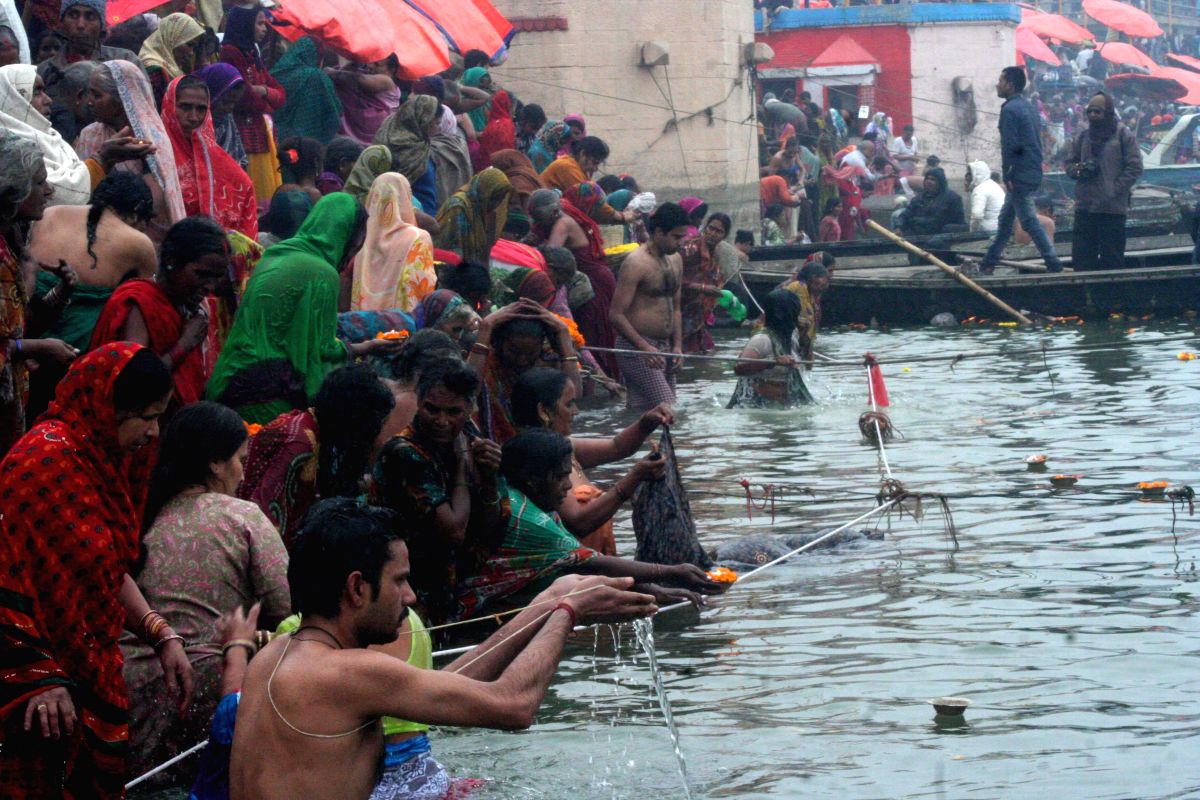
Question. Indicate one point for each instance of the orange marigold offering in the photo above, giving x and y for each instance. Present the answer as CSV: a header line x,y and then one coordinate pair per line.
x,y
252,428
392,335
576,336
722,575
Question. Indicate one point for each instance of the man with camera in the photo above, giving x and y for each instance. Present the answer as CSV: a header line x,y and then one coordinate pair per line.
x,y
1021,153
1105,162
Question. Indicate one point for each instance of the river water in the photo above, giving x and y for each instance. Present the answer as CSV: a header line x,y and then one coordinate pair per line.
x,y
1068,618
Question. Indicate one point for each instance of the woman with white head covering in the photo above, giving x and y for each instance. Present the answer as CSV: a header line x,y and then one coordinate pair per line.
x,y
23,108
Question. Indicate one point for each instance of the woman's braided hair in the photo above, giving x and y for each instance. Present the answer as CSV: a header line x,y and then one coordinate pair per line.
x,y
127,195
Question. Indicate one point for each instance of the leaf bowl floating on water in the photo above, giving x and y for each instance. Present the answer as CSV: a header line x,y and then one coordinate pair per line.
x,y
1153,488
949,706
1064,481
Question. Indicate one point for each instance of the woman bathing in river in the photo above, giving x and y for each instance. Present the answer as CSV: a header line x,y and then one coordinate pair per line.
x,y
778,384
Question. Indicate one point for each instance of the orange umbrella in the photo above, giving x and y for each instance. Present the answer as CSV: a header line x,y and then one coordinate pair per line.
x,y
1123,17
467,24
1150,87
1055,26
1030,45
1187,62
370,30
1125,53
1190,81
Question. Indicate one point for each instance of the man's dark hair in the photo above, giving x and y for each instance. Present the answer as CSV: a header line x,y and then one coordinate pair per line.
x,y
590,146
775,209
812,271
425,348
539,386
531,455
532,114
337,537
610,184
723,218
743,236
667,218
350,408
932,161
476,58
453,376
467,280
1015,76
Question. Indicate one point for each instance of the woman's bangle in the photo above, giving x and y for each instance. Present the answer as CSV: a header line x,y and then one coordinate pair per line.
x,y
567,608
480,349
251,648
262,639
570,358
170,637
152,625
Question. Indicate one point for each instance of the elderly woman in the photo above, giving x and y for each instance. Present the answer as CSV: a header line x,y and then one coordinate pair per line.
x,y
170,52
192,509
87,463
25,112
545,398
446,311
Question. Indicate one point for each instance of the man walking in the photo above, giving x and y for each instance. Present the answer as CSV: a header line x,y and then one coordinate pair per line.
x,y
1021,154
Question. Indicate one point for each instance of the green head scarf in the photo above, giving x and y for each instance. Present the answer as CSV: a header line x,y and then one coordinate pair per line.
x,y
327,230
371,163
406,133
473,77
312,107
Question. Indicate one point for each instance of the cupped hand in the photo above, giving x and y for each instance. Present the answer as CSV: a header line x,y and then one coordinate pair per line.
x,y
661,414
692,577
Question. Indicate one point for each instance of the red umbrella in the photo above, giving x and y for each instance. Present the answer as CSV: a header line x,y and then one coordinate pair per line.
x,y
467,24
120,10
1190,81
1150,87
1187,62
371,30
1123,17
1030,45
1125,53
1054,26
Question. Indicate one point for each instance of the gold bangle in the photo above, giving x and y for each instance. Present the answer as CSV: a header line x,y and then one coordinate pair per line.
x,y
251,648
165,639
570,358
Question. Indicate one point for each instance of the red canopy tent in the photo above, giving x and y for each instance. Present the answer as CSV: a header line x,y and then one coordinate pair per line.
x,y
1150,87
120,10
1054,26
1028,44
1187,62
1190,81
1125,53
466,24
1123,17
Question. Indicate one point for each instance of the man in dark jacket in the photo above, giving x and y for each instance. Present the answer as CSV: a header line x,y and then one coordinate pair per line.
x,y
937,210
1021,154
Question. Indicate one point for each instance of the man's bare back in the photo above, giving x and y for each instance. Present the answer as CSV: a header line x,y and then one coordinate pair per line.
x,y
121,251
653,282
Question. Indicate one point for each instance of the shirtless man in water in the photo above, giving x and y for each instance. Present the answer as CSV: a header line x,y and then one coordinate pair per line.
x,y
645,311
308,723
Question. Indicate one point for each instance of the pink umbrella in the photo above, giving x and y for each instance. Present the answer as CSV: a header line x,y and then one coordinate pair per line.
x,y
1187,62
1030,45
1054,26
1125,53
1190,81
1123,17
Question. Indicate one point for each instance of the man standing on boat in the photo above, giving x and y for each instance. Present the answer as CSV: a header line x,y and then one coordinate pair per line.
x,y
1021,153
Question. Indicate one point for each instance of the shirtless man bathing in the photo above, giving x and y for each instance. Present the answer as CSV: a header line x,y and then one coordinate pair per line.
x,y
645,311
308,723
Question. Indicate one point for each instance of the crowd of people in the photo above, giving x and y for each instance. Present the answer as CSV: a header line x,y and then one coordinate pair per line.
x,y
290,351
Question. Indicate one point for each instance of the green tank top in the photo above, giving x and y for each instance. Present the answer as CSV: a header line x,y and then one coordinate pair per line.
x,y
420,655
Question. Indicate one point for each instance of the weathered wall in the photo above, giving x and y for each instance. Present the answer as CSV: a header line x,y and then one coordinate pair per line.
x,y
591,68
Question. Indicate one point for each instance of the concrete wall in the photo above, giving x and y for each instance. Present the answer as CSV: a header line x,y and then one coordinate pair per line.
x,y
941,53
592,69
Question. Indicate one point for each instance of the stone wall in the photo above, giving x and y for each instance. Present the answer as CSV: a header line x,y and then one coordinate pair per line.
x,y
592,68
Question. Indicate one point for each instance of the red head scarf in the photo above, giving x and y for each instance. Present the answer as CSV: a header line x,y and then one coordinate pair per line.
x,y
500,133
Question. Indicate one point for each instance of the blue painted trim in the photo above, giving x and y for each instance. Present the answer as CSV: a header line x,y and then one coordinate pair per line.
x,y
790,19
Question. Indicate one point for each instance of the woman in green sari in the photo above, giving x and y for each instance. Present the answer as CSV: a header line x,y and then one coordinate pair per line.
x,y
479,78
284,337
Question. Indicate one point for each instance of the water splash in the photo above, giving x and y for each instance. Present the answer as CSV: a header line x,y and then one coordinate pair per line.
x,y
644,630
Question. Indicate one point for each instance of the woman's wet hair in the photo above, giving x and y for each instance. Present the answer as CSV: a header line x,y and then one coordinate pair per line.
x,y
590,146
338,537
300,157
342,149
812,271
532,455
350,408
780,309
540,386
519,328
424,348
199,435
126,194
453,376
191,239
610,184
144,381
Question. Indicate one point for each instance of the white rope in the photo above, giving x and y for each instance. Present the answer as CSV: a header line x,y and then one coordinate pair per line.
x,y
167,764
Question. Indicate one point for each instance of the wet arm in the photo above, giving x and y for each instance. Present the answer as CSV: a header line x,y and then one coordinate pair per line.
x,y
594,452
583,518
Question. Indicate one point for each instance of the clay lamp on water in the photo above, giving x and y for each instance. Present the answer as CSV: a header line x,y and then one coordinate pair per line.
x,y
1064,481
1153,490
1036,463
949,706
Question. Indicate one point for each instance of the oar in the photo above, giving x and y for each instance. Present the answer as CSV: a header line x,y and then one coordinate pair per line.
x,y
951,271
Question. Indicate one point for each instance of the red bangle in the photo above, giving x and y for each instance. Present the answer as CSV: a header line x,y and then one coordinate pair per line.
x,y
567,608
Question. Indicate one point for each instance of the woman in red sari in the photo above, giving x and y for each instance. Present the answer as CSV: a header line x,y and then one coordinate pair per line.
x,y
500,133
168,314
211,181
72,492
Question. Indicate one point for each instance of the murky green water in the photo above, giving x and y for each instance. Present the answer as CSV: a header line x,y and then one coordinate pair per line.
x,y
1068,618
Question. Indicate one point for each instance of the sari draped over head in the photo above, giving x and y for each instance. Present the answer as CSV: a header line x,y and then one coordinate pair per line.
x,y
222,78
478,116
71,514
372,162
536,550
524,282
695,307
439,307
174,30
565,147
521,174
394,268
280,475
471,221
406,134
451,158
137,99
364,112
65,170
546,144
587,197
164,325
210,180
11,17
312,107
500,133
284,338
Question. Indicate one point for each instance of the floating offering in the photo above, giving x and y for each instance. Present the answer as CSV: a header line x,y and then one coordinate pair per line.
x,y
1065,481
1153,488
1036,460
1186,356
950,706
392,336
722,575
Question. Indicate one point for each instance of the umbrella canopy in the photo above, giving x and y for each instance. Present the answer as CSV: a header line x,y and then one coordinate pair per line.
x,y
1055,26
120,10
369,30
1123,17
1030,45
466,23
1190,80
1125,53
1187,62
1150,87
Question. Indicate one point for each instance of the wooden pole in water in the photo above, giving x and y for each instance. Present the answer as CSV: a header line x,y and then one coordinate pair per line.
x,y
951,271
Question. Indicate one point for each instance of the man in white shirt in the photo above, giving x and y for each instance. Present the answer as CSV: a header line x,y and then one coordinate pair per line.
x,y
987,198
905,150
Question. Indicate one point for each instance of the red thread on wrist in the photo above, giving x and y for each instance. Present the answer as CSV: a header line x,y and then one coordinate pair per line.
x,y
567,607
